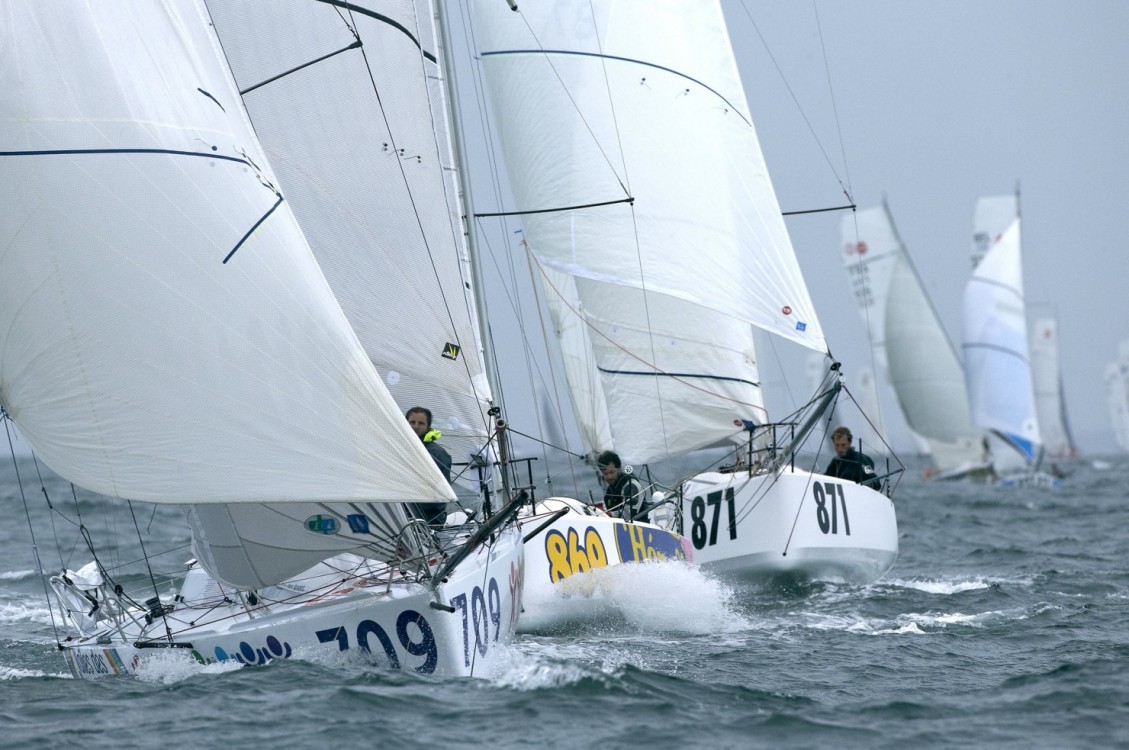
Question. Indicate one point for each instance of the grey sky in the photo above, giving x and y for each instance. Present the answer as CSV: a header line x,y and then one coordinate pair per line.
x,y
939,103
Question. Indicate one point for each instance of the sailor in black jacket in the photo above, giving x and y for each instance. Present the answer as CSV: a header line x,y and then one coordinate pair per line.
x,y
624,496
849,463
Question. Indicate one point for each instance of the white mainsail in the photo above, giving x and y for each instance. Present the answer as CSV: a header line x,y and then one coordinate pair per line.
x,y
1047,378
1117,396
170,337
907,335
997,362
669,286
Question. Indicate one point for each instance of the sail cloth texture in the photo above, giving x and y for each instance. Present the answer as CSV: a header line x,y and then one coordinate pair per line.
x,y
603,102
165,333
996,355
360,142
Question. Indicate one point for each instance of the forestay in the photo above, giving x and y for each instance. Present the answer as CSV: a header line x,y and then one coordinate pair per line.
x,y
166,332
635,100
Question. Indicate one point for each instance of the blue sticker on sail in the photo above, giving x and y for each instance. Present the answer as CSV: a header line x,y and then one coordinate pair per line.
x,y
322,524
638,543
801,326
358,523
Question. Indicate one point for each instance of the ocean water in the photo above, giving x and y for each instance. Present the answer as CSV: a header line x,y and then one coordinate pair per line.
x,y
1004,624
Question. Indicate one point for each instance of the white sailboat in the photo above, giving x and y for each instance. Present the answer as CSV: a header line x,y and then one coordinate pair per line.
x,y
910,344
1050,403
169,337
997,361
1117,395
651,218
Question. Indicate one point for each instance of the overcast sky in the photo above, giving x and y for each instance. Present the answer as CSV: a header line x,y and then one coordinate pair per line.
x,y
937,103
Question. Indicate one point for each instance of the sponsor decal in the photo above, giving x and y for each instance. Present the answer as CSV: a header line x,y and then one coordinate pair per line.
x,y
638,543
322,524
358,523
451,351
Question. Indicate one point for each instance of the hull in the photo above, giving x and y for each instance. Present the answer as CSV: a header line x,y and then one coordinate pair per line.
x,y
564,560
791,524
393,623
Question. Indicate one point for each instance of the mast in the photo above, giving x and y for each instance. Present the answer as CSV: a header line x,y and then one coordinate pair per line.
x,y
489,363
468,209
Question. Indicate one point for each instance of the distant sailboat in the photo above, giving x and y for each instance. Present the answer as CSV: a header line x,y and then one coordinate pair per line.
x,y
1117,395
997,361
909,342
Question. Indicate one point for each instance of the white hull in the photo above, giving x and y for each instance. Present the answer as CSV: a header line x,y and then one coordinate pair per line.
x,y
794,523
584,540
394,622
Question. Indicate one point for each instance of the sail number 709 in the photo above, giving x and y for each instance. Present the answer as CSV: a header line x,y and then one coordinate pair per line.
x,y
829,520
699,534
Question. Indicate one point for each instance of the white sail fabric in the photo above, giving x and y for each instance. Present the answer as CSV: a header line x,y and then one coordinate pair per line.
x,y
1047,377
1117,398
908,337
996,356
643,100
581,372
166,332
360,141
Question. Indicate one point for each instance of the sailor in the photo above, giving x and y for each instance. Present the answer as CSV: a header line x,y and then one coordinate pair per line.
x,y
624,496
849,463
419,419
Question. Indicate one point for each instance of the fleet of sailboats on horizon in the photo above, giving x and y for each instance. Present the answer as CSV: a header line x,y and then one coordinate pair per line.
x,y
1000,410
200,312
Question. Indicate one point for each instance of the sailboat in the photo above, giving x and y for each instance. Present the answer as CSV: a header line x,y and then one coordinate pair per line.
x,y
1050,403
997,361
1117,396
169,337
653,226
909,343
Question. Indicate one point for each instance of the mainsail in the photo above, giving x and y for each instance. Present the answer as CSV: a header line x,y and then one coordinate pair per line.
x,y
167,334
638,108
907,335
996,355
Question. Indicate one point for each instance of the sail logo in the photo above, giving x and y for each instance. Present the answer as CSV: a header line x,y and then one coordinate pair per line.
x,y
638,544
358,523
322,524
855,248
451,351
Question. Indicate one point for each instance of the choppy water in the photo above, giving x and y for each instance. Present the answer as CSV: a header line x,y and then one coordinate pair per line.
x,y
1005,623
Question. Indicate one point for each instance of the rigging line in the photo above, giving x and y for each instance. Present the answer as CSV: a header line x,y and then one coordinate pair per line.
x,y
629,199
791,93
51,515
168,630
850,206
631,354
355,45
30,526
834,105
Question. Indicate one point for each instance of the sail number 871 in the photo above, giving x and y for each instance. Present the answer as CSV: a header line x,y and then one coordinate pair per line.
x,y
699,534
825,494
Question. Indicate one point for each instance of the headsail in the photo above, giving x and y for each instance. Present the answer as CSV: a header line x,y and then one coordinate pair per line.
x,y
361,143
996,356
633,101
1049,400
166,332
